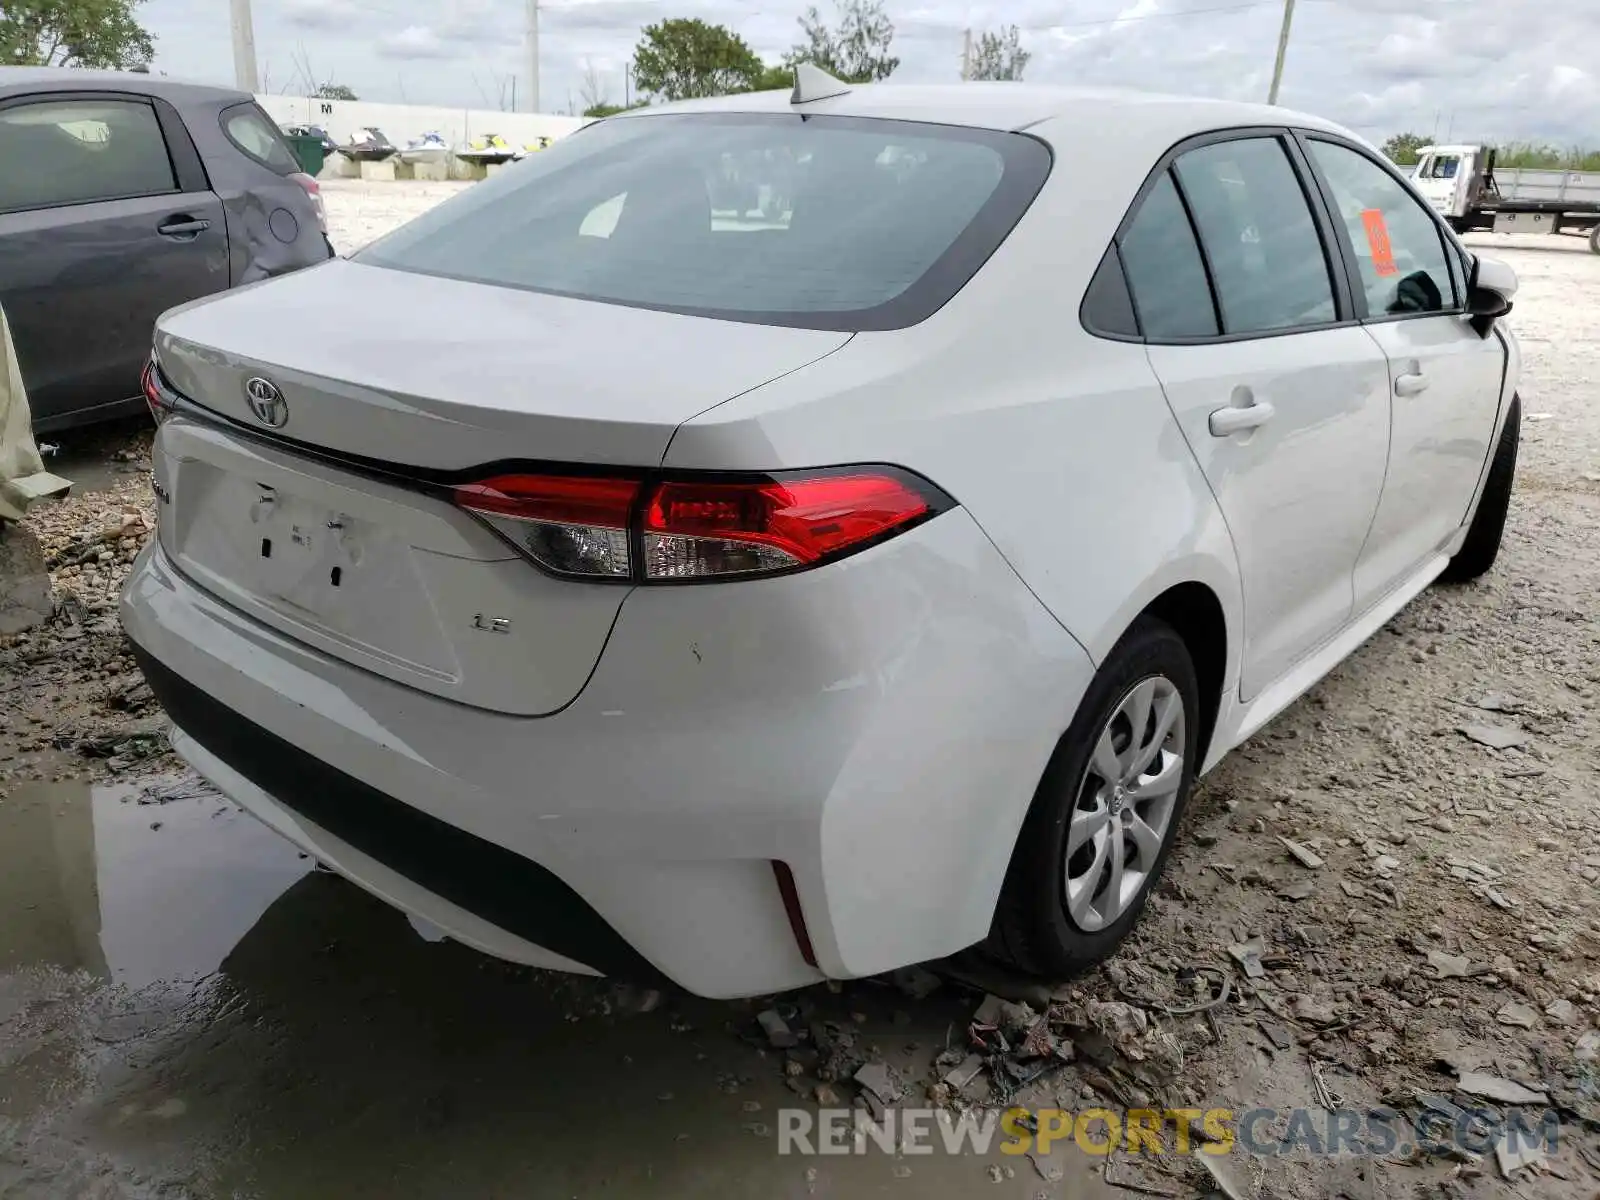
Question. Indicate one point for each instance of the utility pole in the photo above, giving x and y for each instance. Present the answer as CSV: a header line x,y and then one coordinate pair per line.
x,y
627,85
966,54
1283,48
533,55
244,48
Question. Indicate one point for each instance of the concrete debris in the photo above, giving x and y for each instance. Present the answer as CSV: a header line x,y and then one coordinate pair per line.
x,y
1226,1171
996,1175
1449,966
1513,1152
26,600
1312,1011
1248,956
1496,737
1562,1012
779,1035
882,1081
1517,1015
1503,1091
1306,856
1301,889
1588,1048
964,1072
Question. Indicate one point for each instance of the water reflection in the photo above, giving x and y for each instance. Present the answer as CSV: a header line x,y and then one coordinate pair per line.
x,y
271,1031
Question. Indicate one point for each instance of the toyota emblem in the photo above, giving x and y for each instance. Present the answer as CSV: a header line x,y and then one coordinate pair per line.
x,y
266,402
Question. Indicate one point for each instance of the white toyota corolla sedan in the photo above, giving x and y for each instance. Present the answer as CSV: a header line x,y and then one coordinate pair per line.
x,y
779,538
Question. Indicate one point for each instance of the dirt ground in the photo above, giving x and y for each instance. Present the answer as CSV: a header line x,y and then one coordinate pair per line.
x,y
190,1009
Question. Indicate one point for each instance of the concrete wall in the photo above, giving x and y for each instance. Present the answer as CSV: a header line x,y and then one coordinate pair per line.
x,y
402,122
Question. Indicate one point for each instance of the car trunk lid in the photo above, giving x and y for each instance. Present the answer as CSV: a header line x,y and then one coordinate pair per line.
x,y
427,381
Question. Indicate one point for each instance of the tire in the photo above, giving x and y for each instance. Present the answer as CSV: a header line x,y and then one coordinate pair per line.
x,y
1594,239
1478,552
1036,928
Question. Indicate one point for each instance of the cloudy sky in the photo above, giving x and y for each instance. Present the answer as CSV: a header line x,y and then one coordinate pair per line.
x,y
1472,69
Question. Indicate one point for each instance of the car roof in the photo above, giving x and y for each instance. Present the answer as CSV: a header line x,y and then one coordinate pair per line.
x,y
20,80
1016,106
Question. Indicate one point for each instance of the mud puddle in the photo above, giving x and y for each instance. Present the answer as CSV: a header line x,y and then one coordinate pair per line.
x,y
189,1008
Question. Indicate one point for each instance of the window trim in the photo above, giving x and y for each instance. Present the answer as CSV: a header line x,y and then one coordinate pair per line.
x,y
1358,288
149,102
1333,253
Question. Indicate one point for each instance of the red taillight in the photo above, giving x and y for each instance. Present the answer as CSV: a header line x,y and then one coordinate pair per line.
x,y
314,190
154,396
693,529
690,527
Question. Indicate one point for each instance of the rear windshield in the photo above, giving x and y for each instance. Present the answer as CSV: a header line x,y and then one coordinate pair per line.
x,y
821,222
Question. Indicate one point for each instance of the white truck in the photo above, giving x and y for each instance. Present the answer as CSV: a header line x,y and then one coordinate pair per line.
x,y
1464,187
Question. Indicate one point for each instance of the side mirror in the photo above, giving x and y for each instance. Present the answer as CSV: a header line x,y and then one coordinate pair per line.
x,y
1489,292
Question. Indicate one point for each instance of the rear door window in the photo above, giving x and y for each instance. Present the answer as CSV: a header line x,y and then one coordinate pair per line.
x,y
1165,272
1260,238
61,152
255,133
1399,248
819,222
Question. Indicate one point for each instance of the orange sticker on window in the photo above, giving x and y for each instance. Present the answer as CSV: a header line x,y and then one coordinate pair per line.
x,y
1378,241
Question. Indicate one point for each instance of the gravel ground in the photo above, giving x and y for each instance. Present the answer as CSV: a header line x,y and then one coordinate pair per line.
x,y
1451,924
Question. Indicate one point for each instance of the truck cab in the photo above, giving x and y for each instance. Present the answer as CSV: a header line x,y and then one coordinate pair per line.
x,y
1449,177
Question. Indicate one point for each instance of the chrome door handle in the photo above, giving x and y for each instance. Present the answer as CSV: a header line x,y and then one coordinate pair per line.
x,y
1411,384
183,228
1226,422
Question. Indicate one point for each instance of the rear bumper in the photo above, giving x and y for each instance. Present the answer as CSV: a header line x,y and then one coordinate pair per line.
x,y
878,725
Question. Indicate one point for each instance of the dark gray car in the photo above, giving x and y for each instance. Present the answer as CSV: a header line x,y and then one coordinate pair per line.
x,y
122,195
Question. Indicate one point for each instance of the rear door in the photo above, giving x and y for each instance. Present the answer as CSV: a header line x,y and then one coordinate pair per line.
x,y
106,221
1283,400
1445,378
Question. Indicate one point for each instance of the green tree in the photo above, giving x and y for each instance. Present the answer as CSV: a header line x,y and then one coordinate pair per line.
x,y
101,34
683,59
999,56
1402,148
611,110
857,51
334,91
773,77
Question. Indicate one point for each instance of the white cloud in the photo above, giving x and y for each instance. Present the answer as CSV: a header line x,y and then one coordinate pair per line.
x,y
1489,69
414,42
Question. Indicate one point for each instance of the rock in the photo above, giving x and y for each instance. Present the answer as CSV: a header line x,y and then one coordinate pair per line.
x,y
1517,1015
1442,824
964,1072
882,1081
26,600
1449,966
1588,1047
779,1035
1302,889
1385,863
1496,737
1248,956
1495,702
1562,1012
916,982
1502,1091
996,1175
1312,1011
826,1096
1306,856
1230,1177
1513,1152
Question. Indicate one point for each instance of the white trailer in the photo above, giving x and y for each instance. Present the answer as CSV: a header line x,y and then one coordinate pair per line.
x,y
1464,187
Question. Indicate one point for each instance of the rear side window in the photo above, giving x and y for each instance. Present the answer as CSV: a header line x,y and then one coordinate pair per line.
x,y
1260,239
819,222
255,133
1165,271
61,152
1399,248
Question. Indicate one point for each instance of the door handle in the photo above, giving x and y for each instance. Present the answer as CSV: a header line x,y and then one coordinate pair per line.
x,y
1410,384
1226,422
183,228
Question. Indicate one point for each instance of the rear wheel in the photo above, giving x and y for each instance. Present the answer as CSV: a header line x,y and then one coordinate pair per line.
x,y
1103,819
1482,547
1594,239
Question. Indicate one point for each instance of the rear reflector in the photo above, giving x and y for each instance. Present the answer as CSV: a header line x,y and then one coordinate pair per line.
x,y
690,527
